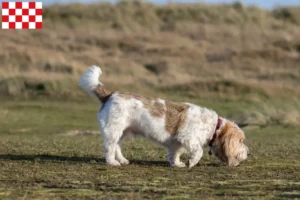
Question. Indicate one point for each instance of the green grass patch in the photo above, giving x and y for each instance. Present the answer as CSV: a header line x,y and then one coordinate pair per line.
x,y
38,160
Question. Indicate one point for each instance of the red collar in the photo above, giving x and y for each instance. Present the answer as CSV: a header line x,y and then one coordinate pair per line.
x,y
215,133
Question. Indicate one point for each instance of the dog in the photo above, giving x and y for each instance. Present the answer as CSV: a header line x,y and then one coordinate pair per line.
x,y
180,127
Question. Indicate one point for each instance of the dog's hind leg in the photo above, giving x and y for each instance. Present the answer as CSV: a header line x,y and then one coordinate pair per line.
x,y
119,156
110,147
112,135
112,125
113,153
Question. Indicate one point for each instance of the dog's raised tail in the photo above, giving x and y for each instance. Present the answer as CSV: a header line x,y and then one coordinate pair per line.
x,y
89,81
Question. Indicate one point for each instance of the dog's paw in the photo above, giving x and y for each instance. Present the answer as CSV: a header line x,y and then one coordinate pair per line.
x,y
191,163
124,161
180,164
113,163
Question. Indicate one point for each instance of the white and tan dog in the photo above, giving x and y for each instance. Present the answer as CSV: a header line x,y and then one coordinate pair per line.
x,y
181,127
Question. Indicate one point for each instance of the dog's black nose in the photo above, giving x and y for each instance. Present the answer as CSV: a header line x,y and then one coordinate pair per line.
x,y
249,154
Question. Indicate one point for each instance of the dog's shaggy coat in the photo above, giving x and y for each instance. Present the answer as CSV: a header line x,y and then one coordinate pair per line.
x,y
181,127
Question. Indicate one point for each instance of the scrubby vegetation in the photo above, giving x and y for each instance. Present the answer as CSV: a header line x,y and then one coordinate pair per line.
x,y
228,52
220,48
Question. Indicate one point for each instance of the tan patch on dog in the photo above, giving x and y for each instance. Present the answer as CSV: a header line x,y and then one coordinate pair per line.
x,y
102,94
155,108
176,115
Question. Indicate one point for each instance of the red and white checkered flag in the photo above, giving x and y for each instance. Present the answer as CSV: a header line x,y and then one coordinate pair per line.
x,y
22,15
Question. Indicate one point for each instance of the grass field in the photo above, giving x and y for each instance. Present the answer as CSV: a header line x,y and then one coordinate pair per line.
x,y
43,157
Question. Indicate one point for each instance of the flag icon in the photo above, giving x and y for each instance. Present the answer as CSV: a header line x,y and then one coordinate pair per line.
x,y
22,15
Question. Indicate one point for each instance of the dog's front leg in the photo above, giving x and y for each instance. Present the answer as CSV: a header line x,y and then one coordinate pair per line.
x,y
196,154
174,153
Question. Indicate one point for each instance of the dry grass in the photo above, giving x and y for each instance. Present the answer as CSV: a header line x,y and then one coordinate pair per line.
x,y
216,50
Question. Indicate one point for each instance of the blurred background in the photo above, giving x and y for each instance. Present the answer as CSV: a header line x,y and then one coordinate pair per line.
x,y
268,4
198,51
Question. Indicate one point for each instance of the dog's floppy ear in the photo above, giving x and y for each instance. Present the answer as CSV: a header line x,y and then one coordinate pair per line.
x,y
229,142
224,140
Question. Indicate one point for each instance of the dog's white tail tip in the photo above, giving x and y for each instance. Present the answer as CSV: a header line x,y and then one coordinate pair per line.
x,y
90,79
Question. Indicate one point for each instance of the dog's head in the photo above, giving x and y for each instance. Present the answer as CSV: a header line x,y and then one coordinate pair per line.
x,y
229,144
